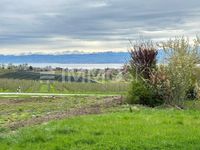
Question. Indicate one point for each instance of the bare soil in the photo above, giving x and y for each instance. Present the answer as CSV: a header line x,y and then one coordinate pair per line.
x,y
91,109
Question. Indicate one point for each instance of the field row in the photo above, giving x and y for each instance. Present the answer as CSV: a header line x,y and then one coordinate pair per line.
x,y
11,85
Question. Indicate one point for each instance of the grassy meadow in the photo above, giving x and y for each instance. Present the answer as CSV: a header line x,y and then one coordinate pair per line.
x,y
116,129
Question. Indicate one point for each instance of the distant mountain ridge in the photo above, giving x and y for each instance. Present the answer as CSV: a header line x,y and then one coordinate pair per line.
x,y
82,58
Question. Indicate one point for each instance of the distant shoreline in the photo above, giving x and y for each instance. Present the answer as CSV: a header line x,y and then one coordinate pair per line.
x,y
73,66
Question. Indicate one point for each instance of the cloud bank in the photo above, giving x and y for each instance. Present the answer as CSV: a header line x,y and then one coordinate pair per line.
x,y
49,26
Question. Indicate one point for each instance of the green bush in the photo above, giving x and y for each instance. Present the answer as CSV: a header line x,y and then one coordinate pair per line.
x,y
142,93
142,66
182,61
172,83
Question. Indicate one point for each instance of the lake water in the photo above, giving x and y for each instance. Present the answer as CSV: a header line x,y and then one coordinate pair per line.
x,y
76,66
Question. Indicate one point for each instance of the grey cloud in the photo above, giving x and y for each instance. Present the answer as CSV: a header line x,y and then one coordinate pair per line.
x,y
36,22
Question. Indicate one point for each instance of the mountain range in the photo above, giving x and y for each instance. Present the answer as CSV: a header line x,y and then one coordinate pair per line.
x,y
86,58
72,58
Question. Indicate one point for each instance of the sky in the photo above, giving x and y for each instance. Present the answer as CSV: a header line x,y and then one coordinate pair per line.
x,y
57,26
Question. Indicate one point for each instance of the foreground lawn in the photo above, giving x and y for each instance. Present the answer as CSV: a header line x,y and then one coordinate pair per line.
x,y
142,129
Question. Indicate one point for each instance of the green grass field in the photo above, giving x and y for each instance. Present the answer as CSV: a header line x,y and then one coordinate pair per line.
x,y
62,123
142,129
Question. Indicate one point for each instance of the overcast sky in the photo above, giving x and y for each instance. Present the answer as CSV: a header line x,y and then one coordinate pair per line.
x,y
50,26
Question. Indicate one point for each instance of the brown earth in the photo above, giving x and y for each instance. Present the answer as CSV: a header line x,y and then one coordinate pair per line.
x,y
91,109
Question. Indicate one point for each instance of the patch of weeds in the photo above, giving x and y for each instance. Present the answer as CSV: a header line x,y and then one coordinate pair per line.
x,y
20,109
85,141
36,139
196,117
66,131
3,130
180,122
126,117
167,122
97,133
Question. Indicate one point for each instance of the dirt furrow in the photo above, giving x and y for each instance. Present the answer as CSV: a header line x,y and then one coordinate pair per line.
x,y
91,109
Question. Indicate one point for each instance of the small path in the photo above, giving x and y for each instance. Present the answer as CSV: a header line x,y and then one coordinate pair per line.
x,y
51,94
